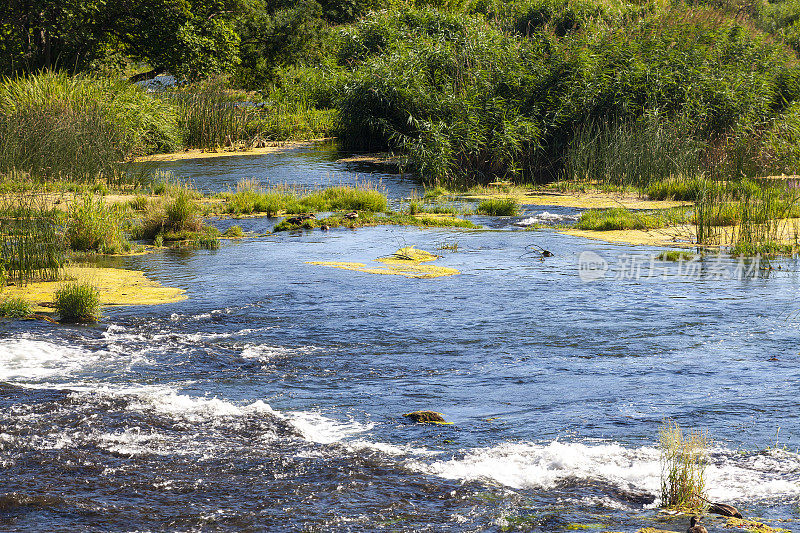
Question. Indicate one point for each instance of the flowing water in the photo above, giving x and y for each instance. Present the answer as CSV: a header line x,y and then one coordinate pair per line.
x,y
272,398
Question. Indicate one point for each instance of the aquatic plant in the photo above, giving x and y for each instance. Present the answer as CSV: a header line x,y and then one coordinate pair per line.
x,y
15,307
618,218
56,126
498,207
233,232
213,116
92,225
683,464
675,255
31,243
77,302
250,197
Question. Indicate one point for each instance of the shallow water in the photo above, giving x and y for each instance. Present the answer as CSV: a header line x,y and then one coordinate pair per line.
x,y
272,398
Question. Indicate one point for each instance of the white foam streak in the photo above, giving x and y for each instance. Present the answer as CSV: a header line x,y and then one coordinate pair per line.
x,y
730,476
545,217
317,428
28,359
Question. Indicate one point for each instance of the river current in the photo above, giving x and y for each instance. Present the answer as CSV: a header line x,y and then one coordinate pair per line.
x,y
272,398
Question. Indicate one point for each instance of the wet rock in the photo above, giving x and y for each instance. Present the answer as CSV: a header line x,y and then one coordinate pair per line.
x,y
426,417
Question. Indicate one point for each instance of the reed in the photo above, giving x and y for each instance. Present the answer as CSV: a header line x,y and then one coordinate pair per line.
x,y
618,218
78,302
31,242
213,116
94,226
498,207
683,465
60,127
633,153
250,197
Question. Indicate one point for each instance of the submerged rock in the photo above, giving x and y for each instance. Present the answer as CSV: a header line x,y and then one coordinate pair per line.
x,y
427,417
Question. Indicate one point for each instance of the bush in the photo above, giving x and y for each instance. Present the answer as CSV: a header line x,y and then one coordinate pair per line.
x,y
15,307
179,213
675,90
78,302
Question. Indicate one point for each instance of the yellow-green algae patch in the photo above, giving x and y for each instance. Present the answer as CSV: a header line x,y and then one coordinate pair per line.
x,y
407,261
117,287
752,526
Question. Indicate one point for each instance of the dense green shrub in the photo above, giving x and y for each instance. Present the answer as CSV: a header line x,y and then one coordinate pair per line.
x,y
469,103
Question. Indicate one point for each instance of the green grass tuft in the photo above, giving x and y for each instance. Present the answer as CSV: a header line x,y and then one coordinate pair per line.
x,y
498,207
675,255
15,307
683,465
78,302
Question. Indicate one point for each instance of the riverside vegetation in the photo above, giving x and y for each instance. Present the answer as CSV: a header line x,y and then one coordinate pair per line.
x,y
688,101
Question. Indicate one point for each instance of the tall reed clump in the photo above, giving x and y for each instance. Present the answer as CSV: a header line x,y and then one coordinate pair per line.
x,y
78,302
94,226
633,153
56,126
212,116
757,216
683,466
31,240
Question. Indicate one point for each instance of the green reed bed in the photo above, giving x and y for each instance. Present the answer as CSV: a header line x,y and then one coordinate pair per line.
x,y
59,127
211,115
762,216
250,198
618,218
31,240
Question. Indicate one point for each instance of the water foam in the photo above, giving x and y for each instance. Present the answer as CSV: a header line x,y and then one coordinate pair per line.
x,y
28,359
730,476
545,217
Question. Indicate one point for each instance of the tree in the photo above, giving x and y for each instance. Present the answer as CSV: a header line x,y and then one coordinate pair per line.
x,y
190,38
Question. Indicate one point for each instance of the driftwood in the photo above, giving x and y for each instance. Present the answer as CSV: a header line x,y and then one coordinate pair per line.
x,y
721,508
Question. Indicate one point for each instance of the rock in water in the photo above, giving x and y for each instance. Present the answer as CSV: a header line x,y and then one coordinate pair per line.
x,y
426,417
